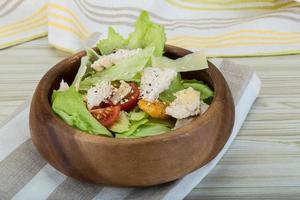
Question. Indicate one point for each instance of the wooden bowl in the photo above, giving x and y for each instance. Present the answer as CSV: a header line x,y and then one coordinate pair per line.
x,y
130,162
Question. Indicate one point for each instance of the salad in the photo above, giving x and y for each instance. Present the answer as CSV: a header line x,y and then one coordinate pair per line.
x,y
129,89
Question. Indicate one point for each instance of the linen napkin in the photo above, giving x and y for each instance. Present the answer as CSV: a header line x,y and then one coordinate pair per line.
x,y
221,28
21,21
24,174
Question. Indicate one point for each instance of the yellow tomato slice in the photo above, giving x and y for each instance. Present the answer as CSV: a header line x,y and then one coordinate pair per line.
x,y
156,109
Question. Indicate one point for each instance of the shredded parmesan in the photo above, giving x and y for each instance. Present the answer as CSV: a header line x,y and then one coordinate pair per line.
x,y
121,92
98,93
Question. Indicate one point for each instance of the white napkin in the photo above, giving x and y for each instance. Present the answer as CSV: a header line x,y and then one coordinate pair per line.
x,y
21,21
24,174
221,28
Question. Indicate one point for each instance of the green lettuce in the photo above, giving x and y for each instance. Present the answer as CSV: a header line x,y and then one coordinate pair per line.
x,y
137,115
85,69
113,42
137,118
137,77
206,94
175,86
92,55
129,122
147,34
170,123
134,126
69,106
205,91
81,72
141,125
122,124
146,130
191,62
191,81
150,130
126,69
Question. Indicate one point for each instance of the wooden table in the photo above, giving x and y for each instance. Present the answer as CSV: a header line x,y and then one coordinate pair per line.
x,y
264,160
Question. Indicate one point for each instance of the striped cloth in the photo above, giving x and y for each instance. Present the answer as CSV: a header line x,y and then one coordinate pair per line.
x,y
25,175
220,27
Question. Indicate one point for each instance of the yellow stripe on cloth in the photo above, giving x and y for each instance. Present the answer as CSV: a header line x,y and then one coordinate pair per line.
x,y
70,21
66,20
22,40
25,29
196,44
27,21
73,16
205,41
282,4
273,53
39,19
66,28
225,38
261,32
230,2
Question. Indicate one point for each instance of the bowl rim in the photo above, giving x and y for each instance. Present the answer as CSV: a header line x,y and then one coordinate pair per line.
x,y
112,141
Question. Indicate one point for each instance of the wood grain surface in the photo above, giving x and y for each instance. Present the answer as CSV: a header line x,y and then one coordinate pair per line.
x,y
264,160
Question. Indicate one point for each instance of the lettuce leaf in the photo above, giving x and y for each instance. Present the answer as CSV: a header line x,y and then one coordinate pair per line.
x,y
137,115
207,94
146,130
81,72
150,130
170,123
178,84
113,42
122,124
147,34
129,122
155,37
69,106
205,91
85,69
191,62
134,126
175,86
92,55
191,81
126,69
137,77
141,125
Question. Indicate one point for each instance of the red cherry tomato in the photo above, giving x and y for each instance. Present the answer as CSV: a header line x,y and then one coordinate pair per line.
x,y
107,116
130,100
